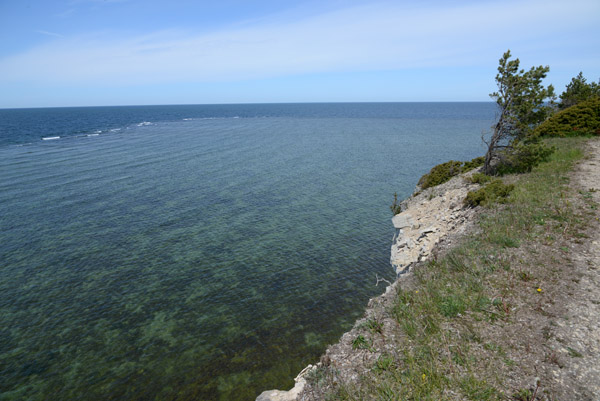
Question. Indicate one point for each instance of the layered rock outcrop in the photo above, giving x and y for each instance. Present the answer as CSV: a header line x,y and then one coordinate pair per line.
x,y
427,217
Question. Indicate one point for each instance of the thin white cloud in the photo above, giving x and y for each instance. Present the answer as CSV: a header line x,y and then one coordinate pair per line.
x,y
47,33
65,14
374,37
101,2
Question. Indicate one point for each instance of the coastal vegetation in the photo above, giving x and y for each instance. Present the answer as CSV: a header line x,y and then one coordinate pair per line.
x,y
473,321
577,91
511,148
522,105
580,119
465,324
443,172
493,191
527,112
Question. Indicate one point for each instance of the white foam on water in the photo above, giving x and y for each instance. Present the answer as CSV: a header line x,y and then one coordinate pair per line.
x,y
50,138
115,129
187,119
93,134
144,123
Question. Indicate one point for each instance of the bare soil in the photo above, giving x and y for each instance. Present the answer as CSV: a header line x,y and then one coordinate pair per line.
x,y
575,337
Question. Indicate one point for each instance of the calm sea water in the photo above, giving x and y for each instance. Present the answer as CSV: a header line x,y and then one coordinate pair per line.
x,y
199,252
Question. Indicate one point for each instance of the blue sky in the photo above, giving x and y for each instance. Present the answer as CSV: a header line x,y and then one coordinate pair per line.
x,y
121,52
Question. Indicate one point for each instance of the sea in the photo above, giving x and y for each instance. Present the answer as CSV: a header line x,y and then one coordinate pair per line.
x,y
200,252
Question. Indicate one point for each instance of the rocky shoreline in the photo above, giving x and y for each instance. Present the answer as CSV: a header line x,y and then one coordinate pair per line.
x,y
431,220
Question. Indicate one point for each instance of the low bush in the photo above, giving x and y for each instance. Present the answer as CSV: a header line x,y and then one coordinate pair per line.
x,y
494,191
440,174
581,119
473,164
443,172
396,207
523,156
479,178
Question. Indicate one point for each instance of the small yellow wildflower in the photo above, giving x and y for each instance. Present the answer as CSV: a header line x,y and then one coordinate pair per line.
x,y
417,291
424,377
539,290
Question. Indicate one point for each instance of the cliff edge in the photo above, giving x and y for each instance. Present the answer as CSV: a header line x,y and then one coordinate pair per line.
x,y
507,308
431,221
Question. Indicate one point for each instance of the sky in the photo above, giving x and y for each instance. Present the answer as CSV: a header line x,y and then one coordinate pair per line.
x,y
56,53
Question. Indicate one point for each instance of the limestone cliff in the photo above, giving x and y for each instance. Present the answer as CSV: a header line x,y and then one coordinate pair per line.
x,y
426,218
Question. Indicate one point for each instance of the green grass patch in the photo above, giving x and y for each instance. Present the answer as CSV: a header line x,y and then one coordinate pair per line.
x,y
574,353
360,342
475,389
374,326
385,362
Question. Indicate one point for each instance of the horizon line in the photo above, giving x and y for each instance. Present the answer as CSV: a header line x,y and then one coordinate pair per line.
x,y
247,103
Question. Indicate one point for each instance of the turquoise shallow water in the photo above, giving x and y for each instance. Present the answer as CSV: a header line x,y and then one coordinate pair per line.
x,y
199,252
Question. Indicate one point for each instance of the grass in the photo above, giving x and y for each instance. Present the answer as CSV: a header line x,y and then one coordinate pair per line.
x,y
384,363
440,353
360,342
374,325
574,353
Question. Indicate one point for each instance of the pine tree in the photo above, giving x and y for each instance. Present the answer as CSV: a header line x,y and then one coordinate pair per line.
x,y
521,100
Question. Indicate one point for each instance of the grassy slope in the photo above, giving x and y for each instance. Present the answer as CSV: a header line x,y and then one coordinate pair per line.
x,y
474,324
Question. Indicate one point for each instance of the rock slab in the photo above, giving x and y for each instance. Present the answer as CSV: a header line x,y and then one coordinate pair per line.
x,y
427,218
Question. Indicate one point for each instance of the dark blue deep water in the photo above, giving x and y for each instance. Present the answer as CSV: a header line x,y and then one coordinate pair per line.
x,y
199,252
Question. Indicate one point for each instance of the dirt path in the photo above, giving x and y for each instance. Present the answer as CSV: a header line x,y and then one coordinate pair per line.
x,y
578,331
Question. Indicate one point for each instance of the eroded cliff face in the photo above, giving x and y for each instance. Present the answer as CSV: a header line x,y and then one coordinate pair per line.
x,y
430,219
426,218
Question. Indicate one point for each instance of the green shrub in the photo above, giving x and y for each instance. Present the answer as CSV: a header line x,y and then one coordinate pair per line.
x,y
494,191
578,120
475,198
524,156
440,174
443,172
470,165
577,91
480,178
396,207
